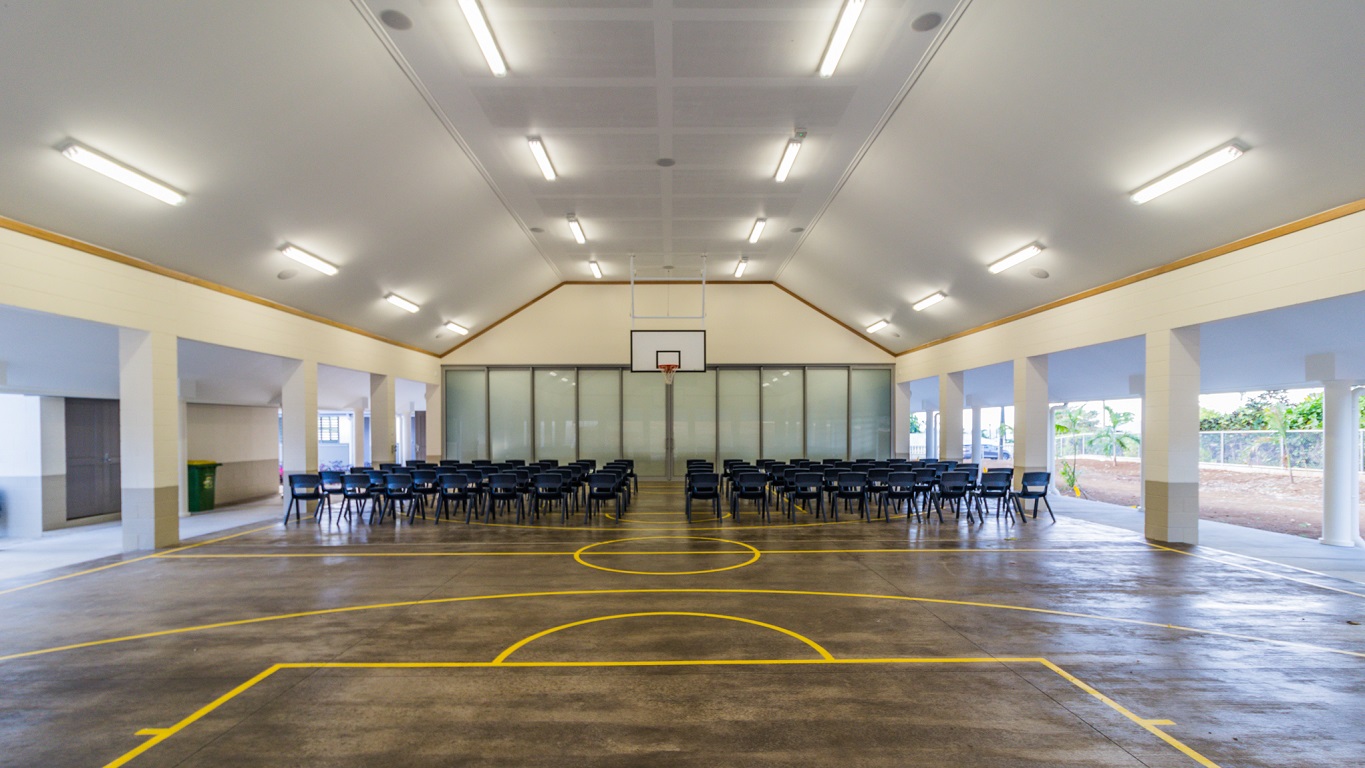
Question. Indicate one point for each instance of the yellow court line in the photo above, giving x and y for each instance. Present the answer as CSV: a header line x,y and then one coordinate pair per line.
x,y
754,556
1261,571
675,591
514,647
892,550
1148,724
133,560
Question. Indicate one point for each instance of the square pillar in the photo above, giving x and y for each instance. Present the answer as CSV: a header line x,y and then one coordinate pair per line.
x,y
950,405
382,442
1340,475
358,434
299,423
435,437
149,439
976,434
1032,420
1170,436
900,421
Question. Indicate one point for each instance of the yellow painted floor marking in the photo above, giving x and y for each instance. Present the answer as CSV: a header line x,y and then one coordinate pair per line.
x,y
1261,571
518,645
890,550
677,591
754,554
133,560
1149,725
165,733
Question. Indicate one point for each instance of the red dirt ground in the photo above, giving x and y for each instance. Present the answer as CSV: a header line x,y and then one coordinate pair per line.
x,y
1267,500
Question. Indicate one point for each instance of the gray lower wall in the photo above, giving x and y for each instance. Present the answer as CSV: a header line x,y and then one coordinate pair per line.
x,y
246,480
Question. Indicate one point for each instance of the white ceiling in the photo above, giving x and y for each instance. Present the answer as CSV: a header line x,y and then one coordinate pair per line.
x,y
395,154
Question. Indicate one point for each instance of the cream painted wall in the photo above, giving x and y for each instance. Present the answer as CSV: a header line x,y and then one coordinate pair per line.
x,y
51,278
229,433
591,324
1316,263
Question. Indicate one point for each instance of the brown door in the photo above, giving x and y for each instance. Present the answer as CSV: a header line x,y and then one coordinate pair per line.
x,y
93,483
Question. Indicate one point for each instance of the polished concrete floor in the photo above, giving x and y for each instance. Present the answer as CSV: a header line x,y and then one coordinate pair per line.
x,y
654,642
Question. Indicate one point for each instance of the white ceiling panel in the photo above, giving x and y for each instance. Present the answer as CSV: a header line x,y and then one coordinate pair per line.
x,y
389,149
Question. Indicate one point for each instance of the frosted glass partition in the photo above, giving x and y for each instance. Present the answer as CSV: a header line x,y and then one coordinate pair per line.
x,y
870,416
509,414
642,423
694,418
827,413
737,414
599,415
466,415
556,396
783,407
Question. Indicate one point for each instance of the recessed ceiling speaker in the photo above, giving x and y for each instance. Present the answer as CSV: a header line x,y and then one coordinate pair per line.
x,y
287,273
926,22
397,20
665,162
1039,273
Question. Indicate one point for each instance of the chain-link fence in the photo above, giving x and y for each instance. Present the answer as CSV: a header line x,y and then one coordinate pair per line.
x,y
1091,444
1298,448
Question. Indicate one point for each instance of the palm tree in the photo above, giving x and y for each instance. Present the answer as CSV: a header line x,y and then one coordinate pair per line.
x,y
1277,421
1111,438
1073,420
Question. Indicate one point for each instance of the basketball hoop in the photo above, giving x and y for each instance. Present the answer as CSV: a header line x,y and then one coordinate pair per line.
x,y
668,371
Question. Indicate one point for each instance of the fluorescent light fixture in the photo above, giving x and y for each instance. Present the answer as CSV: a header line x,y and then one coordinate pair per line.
x,y
1209,161
478,24
1018,257
101,163
839,40
928,301
577,230
456,327
741,266
542,158
757,231
784,166
596,270
307,259
401,303
877,326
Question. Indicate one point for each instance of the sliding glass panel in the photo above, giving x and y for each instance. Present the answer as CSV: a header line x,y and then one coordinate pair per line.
x,y
556,394
827,413
599,415
466,416
738,414
782,413
509,411
870,414
694,418
643,424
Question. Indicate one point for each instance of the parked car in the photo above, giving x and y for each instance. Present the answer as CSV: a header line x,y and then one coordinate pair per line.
x,y
988,451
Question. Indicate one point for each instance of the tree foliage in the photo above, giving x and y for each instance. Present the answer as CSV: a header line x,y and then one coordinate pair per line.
x,y
1111,437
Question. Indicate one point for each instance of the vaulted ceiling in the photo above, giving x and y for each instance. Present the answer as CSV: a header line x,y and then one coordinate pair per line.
x,y
373,134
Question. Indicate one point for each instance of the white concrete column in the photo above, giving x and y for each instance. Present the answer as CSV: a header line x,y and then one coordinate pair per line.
x,y
976,434
950,405
382,414
358,434
930,434
299,422
900,422
1170,436
1340,476
1032,420
149,439
436,442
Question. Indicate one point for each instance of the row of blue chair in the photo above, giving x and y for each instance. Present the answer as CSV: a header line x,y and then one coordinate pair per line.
x,y
480,488
919,487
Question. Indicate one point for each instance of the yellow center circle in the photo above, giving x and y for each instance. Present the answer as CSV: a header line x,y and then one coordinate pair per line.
x,y
753,556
